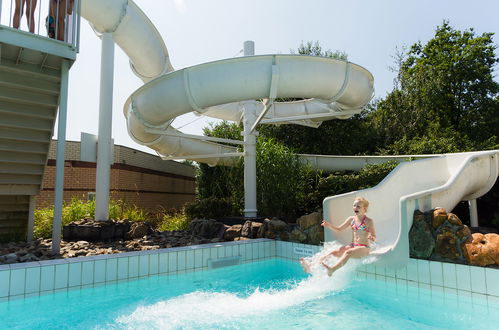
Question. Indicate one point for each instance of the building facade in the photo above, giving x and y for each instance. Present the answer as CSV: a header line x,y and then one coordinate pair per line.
x,y
137,178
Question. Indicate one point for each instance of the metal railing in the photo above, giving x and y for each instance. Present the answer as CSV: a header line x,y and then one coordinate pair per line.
x,y
56,19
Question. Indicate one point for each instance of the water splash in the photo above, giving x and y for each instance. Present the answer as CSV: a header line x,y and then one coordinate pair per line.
x,y
211,309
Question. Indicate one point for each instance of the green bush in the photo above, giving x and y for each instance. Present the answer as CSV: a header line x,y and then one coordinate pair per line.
x,y
173,221
209,208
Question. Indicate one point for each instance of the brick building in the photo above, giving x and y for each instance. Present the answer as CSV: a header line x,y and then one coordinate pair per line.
x,y
137,178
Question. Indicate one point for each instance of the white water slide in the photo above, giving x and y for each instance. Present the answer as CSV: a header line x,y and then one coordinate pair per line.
x,y
221,89
424,184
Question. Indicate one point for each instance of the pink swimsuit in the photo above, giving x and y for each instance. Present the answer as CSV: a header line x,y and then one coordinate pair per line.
x,y
361,226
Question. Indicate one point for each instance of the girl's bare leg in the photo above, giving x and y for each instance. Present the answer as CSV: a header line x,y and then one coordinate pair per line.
x,y
355,252
17,14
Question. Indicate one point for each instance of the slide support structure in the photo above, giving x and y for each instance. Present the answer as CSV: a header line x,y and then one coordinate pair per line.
x,y
249,113
250,209
59,162
104,150
473,213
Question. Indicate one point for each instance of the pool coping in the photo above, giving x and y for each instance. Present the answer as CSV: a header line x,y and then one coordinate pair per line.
x,y
21,280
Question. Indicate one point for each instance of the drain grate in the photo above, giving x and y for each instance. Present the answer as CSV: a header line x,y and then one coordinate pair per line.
x,y
224,262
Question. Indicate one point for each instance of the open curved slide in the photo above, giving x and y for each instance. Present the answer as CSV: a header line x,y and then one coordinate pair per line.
x,y
422,185
221,89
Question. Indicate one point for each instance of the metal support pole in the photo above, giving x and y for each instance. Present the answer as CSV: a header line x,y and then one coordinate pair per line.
x,y
473,213
104,153
31,218
59,163
249,112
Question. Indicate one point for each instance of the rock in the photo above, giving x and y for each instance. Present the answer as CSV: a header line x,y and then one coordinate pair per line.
x,y
207,228
10,258
297,235
315,235
232,232
309,220
241,238
255,227
421,241
246,231
438,217
276,226
464,234
446,246
138,230
453,219
483,250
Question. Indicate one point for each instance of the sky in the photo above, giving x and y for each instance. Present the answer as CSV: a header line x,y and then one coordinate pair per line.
x,y
199,31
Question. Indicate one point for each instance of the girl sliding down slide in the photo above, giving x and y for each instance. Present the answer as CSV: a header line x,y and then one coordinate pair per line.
x,y
362,233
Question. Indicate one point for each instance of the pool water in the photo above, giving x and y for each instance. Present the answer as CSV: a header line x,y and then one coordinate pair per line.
x,y
268,294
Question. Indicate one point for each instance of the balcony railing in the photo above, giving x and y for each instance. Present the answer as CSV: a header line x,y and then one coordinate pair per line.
x,y
56,19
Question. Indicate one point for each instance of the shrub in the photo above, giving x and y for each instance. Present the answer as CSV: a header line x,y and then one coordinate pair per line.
x,y
173,221
211,207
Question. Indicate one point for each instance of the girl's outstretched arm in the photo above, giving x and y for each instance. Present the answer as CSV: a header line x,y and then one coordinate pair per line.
x,y
343,226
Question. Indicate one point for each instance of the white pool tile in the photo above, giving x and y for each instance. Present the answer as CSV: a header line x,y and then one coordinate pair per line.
x,y
133,266
99,271
213,253
172,261
463,277
249,251
478,281
371,269
492,281
153,264
424,271
273,249
4,283
61,276
279,248
163,263
87,272
390,279
380,270
47,278
206,256
380,278
436,273
228,251
254,251
74,278
17,281
449,275
189,259
111,270
390,272
370,276
401,283
181,260
412,270
478,299
401,273
267,249
122,268
198,258
144,265
261,250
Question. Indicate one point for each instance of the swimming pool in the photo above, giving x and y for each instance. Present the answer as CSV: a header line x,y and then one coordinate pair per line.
x,y
268,293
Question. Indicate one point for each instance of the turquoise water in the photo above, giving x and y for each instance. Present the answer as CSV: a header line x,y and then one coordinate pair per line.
x,y
268,294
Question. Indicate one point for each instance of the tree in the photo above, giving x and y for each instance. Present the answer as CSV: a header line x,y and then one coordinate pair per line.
x,y
445,94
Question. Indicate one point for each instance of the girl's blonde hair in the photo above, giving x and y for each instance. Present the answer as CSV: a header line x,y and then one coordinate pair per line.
x,y
363,201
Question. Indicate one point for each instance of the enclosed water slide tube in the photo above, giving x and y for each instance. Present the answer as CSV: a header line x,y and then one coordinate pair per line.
x,y
221,89
422,185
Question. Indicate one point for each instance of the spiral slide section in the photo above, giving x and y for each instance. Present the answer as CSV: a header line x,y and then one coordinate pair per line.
x,y
422,185
331,88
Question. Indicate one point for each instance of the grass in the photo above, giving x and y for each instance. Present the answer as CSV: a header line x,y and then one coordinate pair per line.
x,y
118,210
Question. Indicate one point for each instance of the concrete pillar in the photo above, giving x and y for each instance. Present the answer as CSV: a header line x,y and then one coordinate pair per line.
x,y
104,150
473,213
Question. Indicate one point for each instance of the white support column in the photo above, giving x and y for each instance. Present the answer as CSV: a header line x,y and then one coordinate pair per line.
x,y
250,210
249,112
59,162
473,213
104,151
31,218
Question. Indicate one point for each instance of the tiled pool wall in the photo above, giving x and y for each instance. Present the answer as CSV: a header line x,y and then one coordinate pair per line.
x,y
35,278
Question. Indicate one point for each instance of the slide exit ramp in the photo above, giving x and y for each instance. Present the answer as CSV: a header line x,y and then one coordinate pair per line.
x,y
422,185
